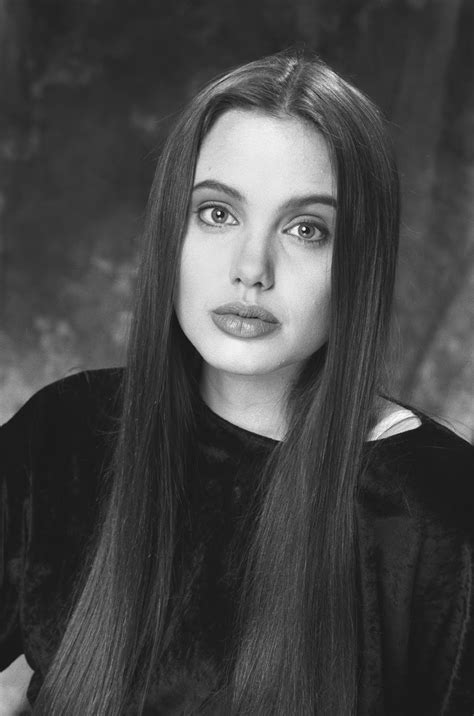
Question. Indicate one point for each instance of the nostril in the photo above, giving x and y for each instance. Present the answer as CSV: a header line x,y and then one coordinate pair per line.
x,y
253,274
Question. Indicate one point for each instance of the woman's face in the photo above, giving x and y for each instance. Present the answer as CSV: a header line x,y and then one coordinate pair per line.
x,y
260,233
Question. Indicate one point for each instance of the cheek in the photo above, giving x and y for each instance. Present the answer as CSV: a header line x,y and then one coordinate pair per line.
x,y
189,272
311,298
196,279
310,314
184,288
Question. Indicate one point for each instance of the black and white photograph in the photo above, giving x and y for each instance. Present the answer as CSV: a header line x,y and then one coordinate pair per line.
x,y
236,358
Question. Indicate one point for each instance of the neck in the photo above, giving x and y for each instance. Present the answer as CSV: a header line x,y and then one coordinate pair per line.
x,y
253,402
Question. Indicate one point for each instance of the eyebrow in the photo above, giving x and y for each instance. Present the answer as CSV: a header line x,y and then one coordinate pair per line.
x,y
294,203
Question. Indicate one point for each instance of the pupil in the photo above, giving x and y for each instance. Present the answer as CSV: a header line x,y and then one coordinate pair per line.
x,y
306,230
218,215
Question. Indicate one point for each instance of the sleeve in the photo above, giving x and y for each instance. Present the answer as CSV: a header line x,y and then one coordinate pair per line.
x,y
16,448
441,666
53,453
461,694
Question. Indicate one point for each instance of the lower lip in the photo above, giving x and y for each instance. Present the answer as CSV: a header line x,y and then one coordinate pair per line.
x,y
243,327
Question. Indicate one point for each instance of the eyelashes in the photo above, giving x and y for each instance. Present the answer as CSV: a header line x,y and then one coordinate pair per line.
x,y
216,215
307,230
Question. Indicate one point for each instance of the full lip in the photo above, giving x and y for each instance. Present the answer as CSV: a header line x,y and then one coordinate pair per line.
x,y
246,310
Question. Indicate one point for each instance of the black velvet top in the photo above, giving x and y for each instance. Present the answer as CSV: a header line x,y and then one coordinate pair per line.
x,y
415,517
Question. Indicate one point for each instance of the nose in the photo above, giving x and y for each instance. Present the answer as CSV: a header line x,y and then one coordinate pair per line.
x,y
253,263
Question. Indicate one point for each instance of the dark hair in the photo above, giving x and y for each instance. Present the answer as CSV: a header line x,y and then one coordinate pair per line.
x,y
297,637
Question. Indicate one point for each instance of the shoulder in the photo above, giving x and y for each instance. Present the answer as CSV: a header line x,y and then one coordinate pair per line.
x,y
417,529
429,472
89,387
54,450
442,476
75,397
71,417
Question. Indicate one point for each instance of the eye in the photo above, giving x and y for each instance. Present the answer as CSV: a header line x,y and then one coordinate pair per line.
x,y
215,215
309,232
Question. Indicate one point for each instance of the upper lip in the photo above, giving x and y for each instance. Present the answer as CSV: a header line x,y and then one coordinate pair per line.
x,y
247,310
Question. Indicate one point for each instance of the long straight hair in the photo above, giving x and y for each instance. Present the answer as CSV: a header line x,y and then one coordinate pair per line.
x,y
296,645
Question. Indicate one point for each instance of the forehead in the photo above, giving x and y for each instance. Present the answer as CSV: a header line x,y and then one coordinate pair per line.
x,y
259,150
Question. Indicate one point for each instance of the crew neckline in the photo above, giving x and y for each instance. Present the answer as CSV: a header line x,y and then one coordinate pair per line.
x,y
265,440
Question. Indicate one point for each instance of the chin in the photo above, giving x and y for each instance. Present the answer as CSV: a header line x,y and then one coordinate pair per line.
x,y
246,365
239,367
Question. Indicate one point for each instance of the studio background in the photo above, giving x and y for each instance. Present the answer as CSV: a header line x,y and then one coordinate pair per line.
x,y
88,89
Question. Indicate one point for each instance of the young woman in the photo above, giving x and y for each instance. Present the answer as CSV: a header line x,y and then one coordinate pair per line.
x,y
238,522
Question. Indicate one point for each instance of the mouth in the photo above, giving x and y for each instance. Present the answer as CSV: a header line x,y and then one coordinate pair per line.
x,y
246,311
244,321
